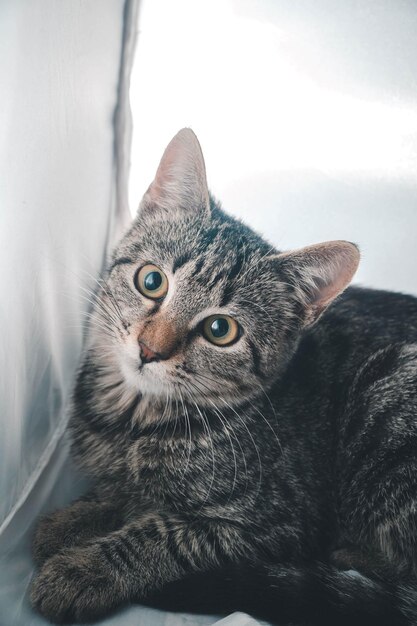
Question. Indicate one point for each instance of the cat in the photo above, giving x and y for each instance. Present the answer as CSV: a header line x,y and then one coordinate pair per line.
x,y
249,422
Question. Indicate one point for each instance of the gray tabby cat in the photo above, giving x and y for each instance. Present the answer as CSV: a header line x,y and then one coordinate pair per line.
x,y
252,447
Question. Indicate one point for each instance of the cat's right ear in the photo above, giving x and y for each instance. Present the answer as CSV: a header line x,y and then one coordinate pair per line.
x,y
180,184
318,273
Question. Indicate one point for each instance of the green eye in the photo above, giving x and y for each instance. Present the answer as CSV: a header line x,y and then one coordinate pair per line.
x,y
221,330
151,282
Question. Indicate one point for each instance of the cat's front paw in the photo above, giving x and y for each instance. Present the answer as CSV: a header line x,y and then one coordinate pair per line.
x,y
72,526
71,588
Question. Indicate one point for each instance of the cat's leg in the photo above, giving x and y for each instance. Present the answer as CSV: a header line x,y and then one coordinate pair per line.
x,y
86,582
378,468
90,516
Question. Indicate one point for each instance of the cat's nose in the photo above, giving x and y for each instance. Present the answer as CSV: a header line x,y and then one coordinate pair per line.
x,y
146,354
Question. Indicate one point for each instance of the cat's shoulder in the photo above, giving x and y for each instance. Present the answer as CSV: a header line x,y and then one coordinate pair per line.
x,y
374,302
356,293
374,311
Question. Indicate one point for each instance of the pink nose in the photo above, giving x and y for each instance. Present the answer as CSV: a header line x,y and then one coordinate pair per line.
x,y
146,354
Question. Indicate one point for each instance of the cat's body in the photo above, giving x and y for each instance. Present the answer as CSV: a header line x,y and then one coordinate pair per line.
x,y
269,466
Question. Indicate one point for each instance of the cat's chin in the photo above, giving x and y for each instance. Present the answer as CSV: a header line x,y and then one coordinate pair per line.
x,y
153,384
149,379
153,380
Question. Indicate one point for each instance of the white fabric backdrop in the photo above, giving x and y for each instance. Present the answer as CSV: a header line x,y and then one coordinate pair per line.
x,y
58,93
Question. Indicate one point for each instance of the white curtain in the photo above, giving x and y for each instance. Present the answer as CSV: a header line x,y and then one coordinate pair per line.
x,y
62,205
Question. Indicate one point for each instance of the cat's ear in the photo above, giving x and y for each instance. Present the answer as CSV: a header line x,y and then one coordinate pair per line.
x,y
180,184
318,273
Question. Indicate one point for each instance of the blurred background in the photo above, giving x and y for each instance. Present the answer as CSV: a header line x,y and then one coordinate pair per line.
x,y
306,112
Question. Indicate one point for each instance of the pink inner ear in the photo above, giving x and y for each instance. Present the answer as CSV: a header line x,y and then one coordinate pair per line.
x,y
328,293
170,162
180,181
331,266
169,170
323,271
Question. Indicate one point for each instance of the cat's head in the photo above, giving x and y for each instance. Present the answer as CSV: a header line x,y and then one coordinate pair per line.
x,y
198,306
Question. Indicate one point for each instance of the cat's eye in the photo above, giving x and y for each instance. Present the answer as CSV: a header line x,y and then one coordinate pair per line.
x,y
151,282
222,330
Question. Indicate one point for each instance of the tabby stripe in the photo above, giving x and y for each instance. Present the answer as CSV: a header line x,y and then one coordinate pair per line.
x,y
394,459
256,359
374,371
215,279
227,295
108,554
236,267
198,267
150,532
365,421
176,547
209,544
180,261
121,261
368,440
121,554
135,535
128,550
209,237
379,366
99,423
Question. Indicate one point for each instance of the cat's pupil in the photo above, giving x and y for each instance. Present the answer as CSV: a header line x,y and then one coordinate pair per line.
x,y
220,327
152,281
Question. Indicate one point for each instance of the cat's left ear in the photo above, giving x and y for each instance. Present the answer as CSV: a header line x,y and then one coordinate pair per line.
x,y
318,273
180,184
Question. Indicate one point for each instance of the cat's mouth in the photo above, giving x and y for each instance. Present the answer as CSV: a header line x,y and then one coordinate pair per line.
x,y
162,381
172,380
153,381
149,378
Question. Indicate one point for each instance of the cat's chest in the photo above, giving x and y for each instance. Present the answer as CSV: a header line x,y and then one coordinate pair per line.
x,y
169,469
152,454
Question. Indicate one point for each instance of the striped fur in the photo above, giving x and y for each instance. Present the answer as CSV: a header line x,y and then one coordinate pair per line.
x,y
276,475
